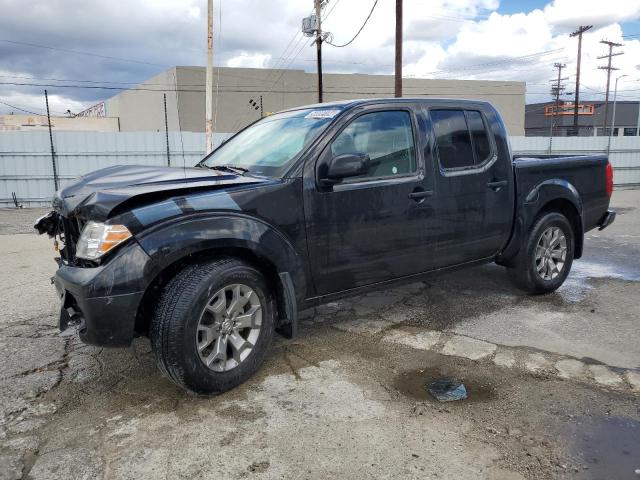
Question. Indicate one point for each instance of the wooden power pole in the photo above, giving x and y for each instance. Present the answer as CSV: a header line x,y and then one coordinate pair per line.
x,y
556,90
208,127
318,6
578,33
398,84
609,69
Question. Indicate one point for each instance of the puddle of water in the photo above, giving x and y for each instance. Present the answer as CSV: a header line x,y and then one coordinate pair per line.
x,y
412,384
608,446
576,287
586,269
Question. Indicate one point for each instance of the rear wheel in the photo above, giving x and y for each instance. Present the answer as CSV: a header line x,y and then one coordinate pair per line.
x,y
213,325
544,262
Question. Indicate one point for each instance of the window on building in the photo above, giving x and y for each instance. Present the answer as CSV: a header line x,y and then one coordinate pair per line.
x,y
604,132
387,137
630,132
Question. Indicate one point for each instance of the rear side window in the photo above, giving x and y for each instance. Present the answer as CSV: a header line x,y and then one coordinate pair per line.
x,y
452,138
479,137
461,137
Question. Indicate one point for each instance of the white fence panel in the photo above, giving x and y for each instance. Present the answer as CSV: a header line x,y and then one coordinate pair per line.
x,y
26,168
624,154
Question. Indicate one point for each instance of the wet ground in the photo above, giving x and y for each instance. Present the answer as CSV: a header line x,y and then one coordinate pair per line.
x,y
553,382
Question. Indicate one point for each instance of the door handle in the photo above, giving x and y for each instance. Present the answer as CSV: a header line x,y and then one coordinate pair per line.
x,y
420,194
497,184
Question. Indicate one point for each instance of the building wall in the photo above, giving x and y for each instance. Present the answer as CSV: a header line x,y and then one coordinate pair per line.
x,y
627,116
142,107
14,123
141,110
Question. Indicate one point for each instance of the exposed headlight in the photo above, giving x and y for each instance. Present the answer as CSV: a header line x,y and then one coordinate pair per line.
x,y
98,238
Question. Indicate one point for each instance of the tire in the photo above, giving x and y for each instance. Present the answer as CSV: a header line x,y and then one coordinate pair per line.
x,y
189,313
525,270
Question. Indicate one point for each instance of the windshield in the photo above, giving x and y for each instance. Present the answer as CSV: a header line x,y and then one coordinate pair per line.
x,y
269,146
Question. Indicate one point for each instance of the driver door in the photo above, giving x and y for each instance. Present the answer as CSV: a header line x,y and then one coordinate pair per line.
x,y
370,228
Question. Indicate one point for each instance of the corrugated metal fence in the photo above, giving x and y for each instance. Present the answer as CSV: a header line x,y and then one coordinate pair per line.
x,y
26,169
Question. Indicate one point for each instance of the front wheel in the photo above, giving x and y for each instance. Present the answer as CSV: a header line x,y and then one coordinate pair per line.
x,y
544,262
213,325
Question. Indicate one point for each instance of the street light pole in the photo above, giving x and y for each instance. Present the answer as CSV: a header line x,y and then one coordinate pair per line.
x,y
613,117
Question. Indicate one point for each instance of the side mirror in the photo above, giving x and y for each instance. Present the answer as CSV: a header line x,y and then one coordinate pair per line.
x,y
347,165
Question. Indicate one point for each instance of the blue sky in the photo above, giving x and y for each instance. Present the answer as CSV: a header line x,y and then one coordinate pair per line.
x,y
509,7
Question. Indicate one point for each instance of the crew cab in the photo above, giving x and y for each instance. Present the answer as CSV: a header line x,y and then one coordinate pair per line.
x,y
302,207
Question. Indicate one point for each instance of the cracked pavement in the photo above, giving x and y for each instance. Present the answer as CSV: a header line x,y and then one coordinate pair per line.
x,y
553,382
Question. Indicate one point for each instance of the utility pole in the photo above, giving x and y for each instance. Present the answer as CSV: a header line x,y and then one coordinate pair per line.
x,y
318,6
608,68
398,85
578,33
556,90
208,127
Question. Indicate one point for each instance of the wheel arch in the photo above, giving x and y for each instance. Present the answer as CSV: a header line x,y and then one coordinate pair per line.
x,y
552,195
177,245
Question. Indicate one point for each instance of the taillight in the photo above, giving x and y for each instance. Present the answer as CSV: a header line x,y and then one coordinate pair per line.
x,y
609,175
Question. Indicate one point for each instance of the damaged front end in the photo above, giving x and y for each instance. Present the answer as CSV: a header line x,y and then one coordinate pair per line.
x,y
65,233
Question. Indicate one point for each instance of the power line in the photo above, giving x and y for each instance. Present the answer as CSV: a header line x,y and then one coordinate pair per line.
x,y
78,52
21,109
497,62
253,90
358,32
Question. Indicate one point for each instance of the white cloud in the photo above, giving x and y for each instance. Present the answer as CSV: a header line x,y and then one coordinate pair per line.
x,y
249,61
442,38
571,13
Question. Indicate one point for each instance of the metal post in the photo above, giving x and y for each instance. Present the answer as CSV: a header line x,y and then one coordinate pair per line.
x,y
261,109
398,73
209,81
53,152
318,6
166,128
613,119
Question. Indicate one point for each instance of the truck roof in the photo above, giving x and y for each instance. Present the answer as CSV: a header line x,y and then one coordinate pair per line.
x,y
344,104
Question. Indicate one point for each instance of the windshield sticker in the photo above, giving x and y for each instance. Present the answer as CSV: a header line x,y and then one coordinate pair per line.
x,y
325,113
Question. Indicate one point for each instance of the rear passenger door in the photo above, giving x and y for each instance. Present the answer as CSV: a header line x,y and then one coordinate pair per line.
x,y
473,187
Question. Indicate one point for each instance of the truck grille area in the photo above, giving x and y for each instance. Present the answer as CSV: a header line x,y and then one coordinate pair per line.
x,y
70,233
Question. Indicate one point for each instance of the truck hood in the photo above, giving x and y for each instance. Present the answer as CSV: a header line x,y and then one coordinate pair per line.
x,y
98,193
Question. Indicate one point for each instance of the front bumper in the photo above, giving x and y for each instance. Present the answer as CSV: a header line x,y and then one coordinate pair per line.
x,y
607,219
103,301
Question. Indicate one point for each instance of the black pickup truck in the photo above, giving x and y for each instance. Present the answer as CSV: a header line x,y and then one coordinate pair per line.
x,y
303,207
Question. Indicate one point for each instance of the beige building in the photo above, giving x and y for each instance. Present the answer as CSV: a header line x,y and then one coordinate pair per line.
x,y
240,91
29,123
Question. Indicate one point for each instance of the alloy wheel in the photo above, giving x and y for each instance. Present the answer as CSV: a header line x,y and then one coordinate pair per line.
x,y
229,327
551,253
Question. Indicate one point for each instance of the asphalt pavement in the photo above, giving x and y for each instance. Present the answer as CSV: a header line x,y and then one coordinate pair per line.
x,y
553,382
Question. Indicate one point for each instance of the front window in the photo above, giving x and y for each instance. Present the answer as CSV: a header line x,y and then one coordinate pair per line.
x,y
270,146
387,137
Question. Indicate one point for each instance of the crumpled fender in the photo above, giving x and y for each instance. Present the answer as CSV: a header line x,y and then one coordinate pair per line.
x,y
168,243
